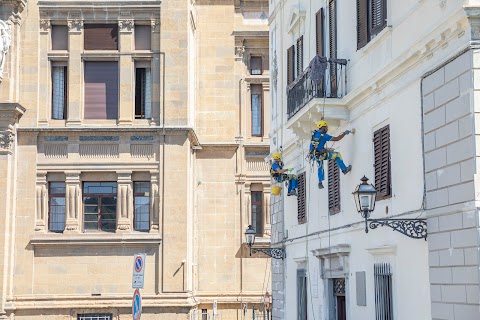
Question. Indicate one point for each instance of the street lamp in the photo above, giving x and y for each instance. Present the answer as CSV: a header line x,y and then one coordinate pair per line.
x,y
276,253
365,195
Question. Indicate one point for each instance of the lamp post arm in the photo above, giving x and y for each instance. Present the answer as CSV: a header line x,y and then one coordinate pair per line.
x,y
413,228
276,253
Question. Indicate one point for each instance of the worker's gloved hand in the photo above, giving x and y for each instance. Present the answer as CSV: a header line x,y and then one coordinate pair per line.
x,y
347,132
290,169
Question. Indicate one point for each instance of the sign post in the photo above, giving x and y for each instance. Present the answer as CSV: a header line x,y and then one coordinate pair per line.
x,y
136,305
138,270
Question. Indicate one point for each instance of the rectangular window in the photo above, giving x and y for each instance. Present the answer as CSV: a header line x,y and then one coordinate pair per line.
x,y
257,109
141,193
59,37
101,37
382,165
301,294
301,199
383,291
143,90
371,19
257,216
204,314
256,65
100,206
338,286
95,316
290,65
59,90
101,90
56,207
333,187
299,56
143,37
320,37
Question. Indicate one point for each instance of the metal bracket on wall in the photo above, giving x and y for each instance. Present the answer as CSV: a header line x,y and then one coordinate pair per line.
x,y
413,228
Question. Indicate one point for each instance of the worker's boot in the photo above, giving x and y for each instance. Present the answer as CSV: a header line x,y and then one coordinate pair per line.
x,y
320,185
292,193
347,169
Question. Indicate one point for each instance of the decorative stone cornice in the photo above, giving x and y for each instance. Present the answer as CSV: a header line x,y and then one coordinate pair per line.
x,y
75,26
18,5
126,25
10,113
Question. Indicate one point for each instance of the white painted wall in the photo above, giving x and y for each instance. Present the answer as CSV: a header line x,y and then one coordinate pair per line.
x,y
384,88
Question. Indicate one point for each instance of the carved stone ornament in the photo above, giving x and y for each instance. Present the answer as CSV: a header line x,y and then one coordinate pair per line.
x,y
75,25
6,140
126,25
5,43
239,51
155,25
274,70
45,25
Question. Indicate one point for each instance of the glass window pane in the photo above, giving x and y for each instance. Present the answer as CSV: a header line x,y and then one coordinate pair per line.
x,y
256,115
91,225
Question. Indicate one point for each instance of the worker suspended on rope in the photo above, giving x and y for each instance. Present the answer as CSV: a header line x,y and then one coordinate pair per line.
x,y
319,152
278,173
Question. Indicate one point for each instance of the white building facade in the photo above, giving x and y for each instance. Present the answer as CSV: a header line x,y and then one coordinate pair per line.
x,y
404,75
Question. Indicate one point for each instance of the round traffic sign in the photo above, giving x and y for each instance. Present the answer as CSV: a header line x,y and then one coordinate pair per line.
x,y
136,305
138,263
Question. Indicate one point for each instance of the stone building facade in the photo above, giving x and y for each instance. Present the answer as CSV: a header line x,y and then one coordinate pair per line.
x,y
133,129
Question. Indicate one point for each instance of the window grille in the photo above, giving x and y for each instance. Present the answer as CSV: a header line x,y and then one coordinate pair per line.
x,y
257,216
333,187
339,286
257,110
383,292
95,316
381,146
59,92
56,207
141,191
301,199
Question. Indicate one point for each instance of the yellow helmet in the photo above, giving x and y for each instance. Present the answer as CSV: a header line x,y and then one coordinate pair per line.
x,y
321,124
277,156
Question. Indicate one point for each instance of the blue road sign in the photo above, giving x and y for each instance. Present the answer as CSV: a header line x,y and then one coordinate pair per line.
x,y
136,305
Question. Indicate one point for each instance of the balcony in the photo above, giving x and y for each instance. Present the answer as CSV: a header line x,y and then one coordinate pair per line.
x,y
318,92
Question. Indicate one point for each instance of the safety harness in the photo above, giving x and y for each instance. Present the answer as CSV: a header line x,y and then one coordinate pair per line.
x,y
274,173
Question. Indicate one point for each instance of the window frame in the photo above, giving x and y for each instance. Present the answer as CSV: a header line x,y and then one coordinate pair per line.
x,y
260,71
135,195
258,204
261,115
56,195
99,205
302,199
59,64
379,136
334,199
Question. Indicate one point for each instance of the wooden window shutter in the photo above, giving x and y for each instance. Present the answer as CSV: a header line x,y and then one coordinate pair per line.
x,y
332,28
301,199
101,37
378,16
320,37
333,187
299,56
362,23
381,145
290,64
101,90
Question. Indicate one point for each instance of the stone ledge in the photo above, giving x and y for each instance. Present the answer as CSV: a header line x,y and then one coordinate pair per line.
x,y
94,239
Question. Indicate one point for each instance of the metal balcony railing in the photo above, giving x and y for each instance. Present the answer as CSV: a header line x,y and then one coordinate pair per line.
x,y
322,79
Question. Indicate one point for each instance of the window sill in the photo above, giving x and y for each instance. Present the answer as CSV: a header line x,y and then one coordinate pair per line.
x,y
95,239
375,42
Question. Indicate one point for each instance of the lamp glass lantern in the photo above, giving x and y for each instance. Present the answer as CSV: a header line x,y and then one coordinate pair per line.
x,y
250,236
364,196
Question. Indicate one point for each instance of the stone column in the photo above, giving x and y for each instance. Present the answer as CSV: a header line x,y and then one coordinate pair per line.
x,y
124,201
41,202
44,45
75,79
154,203
127,72
72,202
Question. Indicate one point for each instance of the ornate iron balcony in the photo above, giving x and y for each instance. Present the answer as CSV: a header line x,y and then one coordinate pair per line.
x,y
322,79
